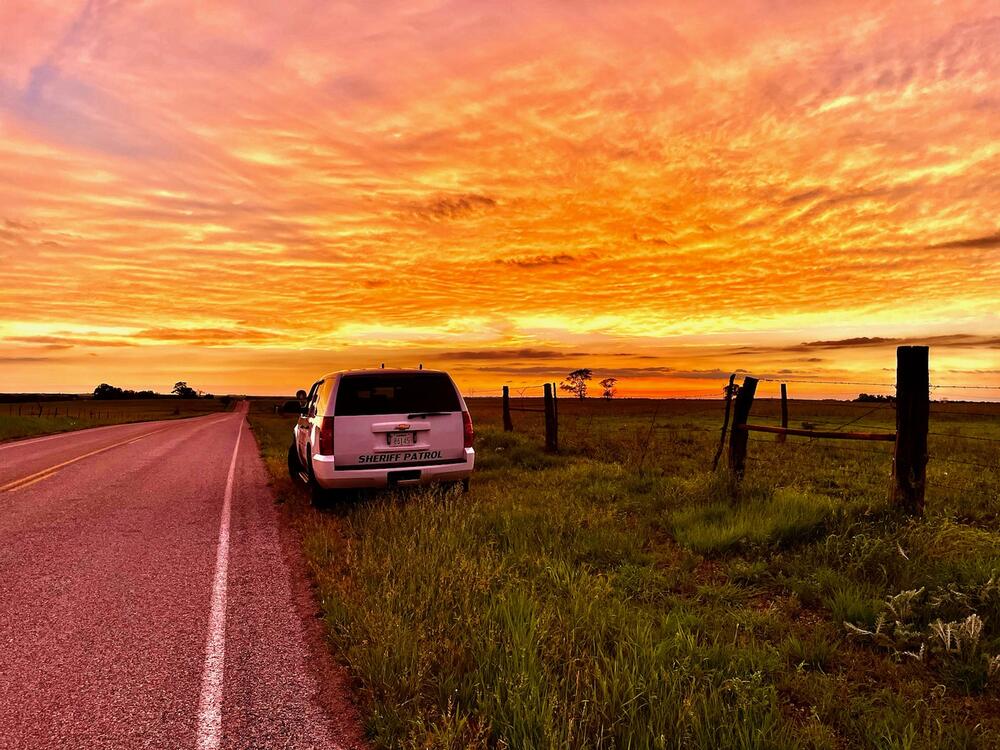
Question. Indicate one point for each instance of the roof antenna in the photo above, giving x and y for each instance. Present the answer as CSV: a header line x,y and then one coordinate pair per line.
x,y
420,366
383,365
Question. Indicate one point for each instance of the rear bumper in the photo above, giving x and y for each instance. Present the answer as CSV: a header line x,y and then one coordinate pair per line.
x,y
329,477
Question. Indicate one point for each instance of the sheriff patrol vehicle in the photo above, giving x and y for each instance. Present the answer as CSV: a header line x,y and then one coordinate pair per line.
x,y
382,428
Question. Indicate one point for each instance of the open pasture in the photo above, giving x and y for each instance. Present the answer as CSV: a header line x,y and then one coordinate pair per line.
x,y
21,419
622,594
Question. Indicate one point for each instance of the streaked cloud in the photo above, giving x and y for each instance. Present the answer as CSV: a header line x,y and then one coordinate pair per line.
x,y
987,241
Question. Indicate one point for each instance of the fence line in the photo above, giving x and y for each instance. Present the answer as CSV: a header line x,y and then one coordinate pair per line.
x,y
910,408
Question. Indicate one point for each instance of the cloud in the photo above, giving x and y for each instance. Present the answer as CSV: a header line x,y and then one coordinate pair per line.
x,y
804,197
506,354
6,361
66,342
944,341
453,207
950,340
19,225
658,371
207,336
986,241
538,261
850,343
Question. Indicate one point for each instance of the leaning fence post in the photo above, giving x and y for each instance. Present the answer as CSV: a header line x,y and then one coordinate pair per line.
x,y
909,462
725,422
508,424
739,435
780,437
551,441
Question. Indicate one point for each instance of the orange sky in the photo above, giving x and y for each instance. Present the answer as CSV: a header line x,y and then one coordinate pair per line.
x,y
246,194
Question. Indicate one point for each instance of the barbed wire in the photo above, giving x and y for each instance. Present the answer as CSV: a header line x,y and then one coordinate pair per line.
x,y
819,382
935,412
672,428
802,381
946,485
970,387
992,467
880,407
873,451
873,427
965,437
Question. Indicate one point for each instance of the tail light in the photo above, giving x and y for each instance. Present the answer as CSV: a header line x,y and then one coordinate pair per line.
x,y
470,434
326,436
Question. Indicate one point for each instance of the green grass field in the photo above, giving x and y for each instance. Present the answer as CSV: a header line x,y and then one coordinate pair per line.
x,y
622,595
22,419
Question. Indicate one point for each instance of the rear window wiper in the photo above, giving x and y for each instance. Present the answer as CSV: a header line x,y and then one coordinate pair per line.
x,y
422,414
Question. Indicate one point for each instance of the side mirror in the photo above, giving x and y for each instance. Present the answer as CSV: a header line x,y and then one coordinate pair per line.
x,y
291,407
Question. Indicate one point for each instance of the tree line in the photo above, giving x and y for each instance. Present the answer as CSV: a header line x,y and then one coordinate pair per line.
x,y
107,392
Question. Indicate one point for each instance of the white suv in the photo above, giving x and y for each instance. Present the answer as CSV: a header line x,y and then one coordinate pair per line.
x,y
382,428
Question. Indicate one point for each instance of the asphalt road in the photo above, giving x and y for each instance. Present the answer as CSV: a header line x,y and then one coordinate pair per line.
x,y
148,598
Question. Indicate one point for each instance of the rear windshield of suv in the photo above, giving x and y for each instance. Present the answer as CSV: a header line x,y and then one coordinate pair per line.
x,y
395,393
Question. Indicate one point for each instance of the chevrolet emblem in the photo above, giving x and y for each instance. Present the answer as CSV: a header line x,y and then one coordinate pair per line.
x,y
403,426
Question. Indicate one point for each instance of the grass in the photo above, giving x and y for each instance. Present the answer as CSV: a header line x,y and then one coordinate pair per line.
x,y
623,595
30,418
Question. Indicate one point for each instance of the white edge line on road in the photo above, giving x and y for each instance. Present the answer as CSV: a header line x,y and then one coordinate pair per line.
x,y
210,701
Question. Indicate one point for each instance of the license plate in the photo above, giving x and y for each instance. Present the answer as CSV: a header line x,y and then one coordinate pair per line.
x,y
400,439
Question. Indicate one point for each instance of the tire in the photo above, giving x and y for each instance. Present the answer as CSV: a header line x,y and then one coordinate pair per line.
x,y
317,495
465,483
294,465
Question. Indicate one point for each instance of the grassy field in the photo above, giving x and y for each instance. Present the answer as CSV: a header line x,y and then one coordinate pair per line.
x,y
30,418
622,595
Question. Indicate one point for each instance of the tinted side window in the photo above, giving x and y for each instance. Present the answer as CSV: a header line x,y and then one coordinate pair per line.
x,y
399,393
323,395
311,400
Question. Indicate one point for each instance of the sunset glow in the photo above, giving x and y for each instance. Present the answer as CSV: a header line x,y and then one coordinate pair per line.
x,y
245,195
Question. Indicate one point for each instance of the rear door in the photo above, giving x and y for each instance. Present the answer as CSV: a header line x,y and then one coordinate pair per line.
x,y
397,419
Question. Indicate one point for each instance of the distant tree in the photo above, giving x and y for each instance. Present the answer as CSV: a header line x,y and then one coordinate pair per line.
x,y
608,384
576,382
183,390
106,392
875,398
225,401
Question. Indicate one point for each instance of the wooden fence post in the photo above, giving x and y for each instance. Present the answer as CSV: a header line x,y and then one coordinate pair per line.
x,y
725,422
551,439
555,414
738,437
909,462
508,424
784,412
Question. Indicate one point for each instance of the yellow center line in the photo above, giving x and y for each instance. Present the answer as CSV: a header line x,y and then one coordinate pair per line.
x,y
38,476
